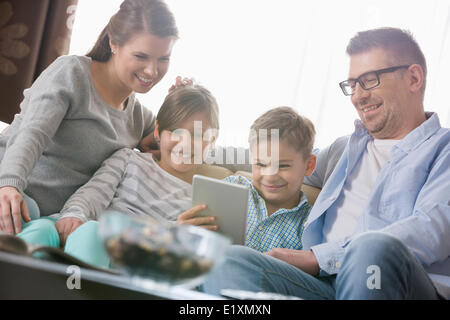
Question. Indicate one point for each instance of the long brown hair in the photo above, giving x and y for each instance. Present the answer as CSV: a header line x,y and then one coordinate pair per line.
x,y
134,16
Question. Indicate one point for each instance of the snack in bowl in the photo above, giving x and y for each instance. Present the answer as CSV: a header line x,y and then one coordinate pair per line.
x,y
161,251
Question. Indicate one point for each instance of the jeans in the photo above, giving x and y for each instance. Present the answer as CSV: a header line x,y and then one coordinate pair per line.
x,y
375,266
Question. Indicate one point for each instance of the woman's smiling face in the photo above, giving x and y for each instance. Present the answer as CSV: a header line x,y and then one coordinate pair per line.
x,y
142,61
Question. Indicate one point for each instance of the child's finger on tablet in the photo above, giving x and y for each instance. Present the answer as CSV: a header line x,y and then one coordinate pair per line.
x,y
187,216
213,227
200,221
192,212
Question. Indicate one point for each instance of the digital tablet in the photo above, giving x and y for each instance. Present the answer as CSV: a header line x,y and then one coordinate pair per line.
x,y
227,201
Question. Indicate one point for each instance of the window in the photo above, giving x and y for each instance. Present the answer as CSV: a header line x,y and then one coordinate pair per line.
x,y
258,54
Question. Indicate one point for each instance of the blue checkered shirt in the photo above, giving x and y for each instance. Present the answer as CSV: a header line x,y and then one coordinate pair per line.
x,y
282,229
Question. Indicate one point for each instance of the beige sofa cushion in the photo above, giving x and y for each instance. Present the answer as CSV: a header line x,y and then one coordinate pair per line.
x,y
213,171
311,193
220,173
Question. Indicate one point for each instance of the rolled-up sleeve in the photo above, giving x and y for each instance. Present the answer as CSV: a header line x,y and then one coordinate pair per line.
x,y
329,255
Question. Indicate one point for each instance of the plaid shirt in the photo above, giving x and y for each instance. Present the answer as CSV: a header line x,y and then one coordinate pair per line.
x,y
282,229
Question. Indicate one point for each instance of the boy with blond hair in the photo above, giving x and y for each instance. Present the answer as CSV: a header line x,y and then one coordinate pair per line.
x,y
281,143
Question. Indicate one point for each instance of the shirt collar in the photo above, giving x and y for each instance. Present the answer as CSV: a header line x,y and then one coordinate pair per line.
x,y
360,130
303,201
415,138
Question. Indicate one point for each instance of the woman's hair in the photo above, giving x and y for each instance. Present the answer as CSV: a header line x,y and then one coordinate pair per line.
x,y
134,16
183,103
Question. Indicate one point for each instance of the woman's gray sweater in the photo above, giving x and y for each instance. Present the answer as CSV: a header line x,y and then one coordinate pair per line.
x,y
64,132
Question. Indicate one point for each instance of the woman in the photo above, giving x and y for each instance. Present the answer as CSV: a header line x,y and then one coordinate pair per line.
x,y
81,110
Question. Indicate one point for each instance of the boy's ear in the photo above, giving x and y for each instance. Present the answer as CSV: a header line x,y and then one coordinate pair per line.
x,y
310,165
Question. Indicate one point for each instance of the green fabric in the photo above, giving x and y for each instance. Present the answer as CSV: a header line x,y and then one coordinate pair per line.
x,y
41,231
85,244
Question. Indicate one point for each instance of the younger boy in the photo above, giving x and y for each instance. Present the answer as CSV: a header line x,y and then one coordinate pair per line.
x,y
281,143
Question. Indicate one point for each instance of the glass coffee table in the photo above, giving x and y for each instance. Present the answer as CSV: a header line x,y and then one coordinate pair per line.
x,y
31,278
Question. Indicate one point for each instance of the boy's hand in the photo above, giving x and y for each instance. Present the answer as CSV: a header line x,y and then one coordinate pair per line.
x,y
190,217
65,227
12,207
303,259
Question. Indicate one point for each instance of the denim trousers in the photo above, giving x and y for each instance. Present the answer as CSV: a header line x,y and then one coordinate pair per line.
x,y
375,266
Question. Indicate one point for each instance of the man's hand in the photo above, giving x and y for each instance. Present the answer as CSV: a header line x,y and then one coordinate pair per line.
x,y
303,259
65,227
12,208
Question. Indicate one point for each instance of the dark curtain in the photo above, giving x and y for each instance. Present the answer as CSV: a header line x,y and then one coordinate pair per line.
x,y
32,35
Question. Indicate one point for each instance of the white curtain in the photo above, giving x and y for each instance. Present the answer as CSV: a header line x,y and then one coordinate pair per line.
x,y
258,54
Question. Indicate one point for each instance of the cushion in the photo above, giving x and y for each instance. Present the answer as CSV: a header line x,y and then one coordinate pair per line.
x,y
213,171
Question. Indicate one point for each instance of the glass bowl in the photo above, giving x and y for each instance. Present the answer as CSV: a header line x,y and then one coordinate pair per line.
x,y
161,251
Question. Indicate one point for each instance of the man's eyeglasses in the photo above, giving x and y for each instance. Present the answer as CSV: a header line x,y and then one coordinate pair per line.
x,y
368,80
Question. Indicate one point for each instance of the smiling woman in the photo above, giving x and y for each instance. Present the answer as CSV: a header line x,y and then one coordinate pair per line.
x,y
132,52
79,111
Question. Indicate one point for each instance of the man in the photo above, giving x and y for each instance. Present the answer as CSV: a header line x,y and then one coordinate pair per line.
x,y
380,228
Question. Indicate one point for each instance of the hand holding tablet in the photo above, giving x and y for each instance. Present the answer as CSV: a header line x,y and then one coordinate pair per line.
x,y
194,217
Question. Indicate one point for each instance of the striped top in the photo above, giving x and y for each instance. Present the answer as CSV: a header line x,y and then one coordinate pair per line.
x,y
282,229
130,182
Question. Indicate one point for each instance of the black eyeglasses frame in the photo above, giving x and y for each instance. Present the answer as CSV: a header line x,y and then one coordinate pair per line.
x,y
376,72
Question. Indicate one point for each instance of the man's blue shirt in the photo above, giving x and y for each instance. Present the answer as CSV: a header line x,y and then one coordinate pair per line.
x,y
410,199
